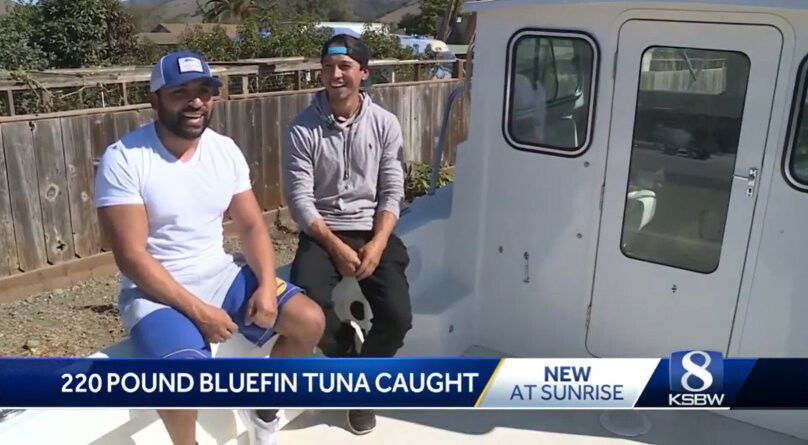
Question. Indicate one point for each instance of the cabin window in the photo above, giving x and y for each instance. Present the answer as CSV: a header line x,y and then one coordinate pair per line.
x,y
797,167
687,126
548,96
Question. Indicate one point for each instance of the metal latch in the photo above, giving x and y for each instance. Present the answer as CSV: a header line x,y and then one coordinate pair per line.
x,y
751,180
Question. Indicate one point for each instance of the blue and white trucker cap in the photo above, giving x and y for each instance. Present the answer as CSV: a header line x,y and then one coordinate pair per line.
x,y
180,67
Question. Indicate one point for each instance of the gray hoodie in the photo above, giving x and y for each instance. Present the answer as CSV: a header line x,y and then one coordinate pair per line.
x,y
343,172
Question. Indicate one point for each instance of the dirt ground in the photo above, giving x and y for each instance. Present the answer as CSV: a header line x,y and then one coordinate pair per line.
x,y
82,319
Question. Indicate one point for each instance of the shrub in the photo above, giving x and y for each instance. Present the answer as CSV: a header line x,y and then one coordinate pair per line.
x,y
417,177
80,33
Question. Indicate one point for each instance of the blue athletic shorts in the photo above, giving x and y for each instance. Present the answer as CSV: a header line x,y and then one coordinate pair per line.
x,y
168,333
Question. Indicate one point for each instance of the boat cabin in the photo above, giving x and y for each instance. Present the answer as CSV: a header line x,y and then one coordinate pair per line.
x,y
634,181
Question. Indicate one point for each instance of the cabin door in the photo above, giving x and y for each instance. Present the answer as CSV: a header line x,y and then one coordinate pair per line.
x,y
690,119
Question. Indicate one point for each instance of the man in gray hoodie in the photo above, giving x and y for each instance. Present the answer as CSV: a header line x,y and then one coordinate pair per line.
x,y
343,182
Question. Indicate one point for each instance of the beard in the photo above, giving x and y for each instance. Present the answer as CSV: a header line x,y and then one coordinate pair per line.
x,y
175,123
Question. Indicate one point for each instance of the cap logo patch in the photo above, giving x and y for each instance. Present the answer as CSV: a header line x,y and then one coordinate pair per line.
x,y
336,50
190,64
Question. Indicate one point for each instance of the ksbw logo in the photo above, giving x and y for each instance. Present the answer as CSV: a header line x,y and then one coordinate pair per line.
x,y
696,378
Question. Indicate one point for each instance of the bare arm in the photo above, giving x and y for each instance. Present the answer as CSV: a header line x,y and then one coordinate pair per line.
x,y
255,240
127,228
383,224
262,309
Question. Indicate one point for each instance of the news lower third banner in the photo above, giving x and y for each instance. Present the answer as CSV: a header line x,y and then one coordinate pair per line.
x,y
686,379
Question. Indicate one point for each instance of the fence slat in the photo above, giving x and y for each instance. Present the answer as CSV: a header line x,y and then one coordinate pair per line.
x,y
254,130
80,177
50,168
243,117
398,102
8,246
125,122
421,115
219,117
24,192
271,140
102,131
146,115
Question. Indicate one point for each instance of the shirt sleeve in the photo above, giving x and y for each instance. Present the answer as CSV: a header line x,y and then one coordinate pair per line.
x,y
242,170
116,181
298,178
391,173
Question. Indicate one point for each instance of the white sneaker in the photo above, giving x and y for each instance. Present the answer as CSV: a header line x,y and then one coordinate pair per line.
x,y
260,432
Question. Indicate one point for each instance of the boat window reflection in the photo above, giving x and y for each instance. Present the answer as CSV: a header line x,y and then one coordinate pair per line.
x,y
687,127
550,83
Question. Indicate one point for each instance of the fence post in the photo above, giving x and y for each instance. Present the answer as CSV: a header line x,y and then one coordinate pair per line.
x,y
459,69
125,92
417,76
10,94
47,100
224,91
297,80
245,84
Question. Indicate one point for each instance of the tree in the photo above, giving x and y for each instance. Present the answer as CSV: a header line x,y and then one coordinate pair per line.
x,y
75,33
432,11
17,48
416,24
228,10
449,17
214,46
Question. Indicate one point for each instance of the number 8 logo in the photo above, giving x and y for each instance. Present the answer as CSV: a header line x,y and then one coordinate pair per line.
x,y
699,372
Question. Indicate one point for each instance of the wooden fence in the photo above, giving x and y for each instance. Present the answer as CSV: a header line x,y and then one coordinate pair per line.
x,y
47,166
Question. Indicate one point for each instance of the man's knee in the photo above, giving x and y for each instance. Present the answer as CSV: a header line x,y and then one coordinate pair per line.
x,y
396,324
307,321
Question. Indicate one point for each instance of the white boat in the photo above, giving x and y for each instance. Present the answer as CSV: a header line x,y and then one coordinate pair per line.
x,y
633,183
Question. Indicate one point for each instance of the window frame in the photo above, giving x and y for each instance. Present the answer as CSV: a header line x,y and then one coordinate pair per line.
x,y
795,121
510,62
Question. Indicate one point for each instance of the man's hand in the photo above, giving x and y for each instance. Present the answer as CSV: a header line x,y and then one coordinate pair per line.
x,y
214,323
345,258
262,309
370,254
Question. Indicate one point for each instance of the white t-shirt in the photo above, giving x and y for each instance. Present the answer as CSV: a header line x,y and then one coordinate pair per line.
x,y
185,203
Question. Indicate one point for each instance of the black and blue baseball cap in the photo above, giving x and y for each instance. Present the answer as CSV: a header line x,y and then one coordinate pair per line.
x,y
347,45
181,67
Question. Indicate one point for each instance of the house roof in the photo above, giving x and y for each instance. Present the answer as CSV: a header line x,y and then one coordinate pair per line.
x,y
178,28
160,38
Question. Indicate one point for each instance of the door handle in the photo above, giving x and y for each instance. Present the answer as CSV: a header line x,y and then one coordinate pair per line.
x,y
751,180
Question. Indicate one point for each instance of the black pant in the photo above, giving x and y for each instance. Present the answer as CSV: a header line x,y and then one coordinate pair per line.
x,y
387,292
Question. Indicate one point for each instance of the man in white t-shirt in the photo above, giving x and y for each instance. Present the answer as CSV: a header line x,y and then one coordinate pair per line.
x,y
161,193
